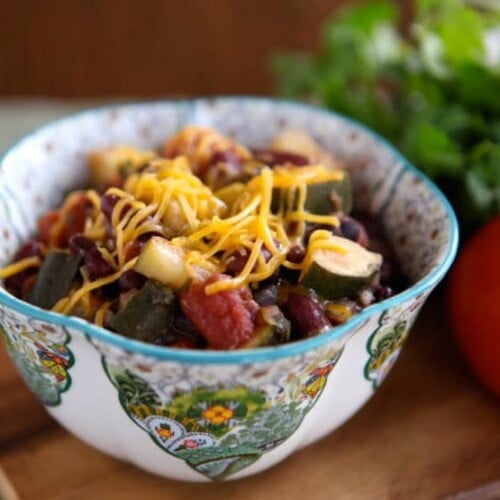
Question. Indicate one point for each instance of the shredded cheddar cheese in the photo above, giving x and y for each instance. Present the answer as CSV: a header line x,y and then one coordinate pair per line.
x,y
262,218
66,304
168,199
19,266
320,239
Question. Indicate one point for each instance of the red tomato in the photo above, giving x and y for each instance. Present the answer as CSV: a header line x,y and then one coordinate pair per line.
x,y
74,218
474,303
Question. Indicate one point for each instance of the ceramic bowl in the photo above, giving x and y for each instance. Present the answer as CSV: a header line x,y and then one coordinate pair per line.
x,y
211,415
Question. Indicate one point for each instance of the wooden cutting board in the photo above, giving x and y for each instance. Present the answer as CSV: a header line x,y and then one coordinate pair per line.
x,y
430,432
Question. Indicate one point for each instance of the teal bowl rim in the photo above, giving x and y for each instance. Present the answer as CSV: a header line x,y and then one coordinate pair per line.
x,y
255,355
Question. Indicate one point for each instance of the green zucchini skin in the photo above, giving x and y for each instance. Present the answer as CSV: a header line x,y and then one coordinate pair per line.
x,y
54,279
148,313
334,275
323,198
333,286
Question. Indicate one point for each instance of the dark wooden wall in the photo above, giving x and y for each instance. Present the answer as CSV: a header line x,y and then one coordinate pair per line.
x,y
89,48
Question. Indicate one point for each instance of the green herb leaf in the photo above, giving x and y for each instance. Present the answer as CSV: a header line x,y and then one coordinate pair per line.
x,y
435,95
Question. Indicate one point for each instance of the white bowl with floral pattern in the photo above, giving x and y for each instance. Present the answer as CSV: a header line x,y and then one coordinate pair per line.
x,y
211,415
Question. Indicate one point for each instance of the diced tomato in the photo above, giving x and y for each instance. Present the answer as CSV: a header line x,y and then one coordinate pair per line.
x,y
54,231
74,220
46,224
225,319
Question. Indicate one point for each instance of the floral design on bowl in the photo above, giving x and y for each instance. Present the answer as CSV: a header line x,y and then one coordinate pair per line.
x,y
219,428
41,354
385,343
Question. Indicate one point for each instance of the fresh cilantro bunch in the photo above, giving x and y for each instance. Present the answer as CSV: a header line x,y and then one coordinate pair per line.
x,y
434,92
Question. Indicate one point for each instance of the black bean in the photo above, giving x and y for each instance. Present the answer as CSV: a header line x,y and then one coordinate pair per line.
x,y
383,292
352,229
184,324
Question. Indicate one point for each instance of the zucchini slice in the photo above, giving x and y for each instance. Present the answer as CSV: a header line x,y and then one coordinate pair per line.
x,y
148,314
336,274
163,262
109,164
298,142
323,198
332,196
54,279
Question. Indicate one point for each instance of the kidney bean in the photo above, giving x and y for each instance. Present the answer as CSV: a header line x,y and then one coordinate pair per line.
x,y
227,156
32,248
306,314
130,280
78,243
108,202
133,249
272,157
237,261
96,266
18,283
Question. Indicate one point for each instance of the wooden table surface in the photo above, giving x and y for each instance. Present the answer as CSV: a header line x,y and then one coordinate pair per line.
x,y
429,432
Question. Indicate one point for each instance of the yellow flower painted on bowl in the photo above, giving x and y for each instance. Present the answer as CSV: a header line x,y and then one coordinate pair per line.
x,y
164,432
218,414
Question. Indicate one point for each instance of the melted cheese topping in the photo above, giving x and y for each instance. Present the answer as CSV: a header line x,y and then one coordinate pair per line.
x,y
168,199
261,220
66,304
320,239
19,266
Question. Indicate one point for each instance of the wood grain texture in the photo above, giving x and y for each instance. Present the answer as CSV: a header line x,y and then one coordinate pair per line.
x,y
154,48
430,432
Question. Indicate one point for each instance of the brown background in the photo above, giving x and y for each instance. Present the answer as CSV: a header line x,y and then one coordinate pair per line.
x,y
94,48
